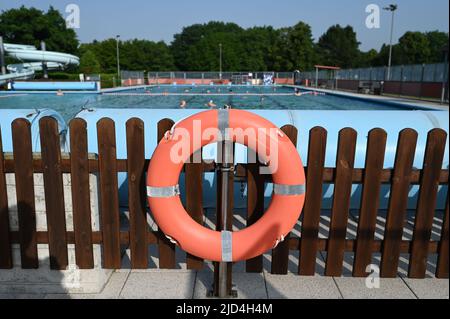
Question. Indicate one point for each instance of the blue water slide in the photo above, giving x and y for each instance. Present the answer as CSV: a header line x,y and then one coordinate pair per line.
x,y
362,121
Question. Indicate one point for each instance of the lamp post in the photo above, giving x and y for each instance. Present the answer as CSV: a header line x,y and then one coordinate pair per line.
x,y
392,8
118,57
220,61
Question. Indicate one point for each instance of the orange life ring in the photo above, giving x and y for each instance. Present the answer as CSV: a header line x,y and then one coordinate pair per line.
x,y
282,214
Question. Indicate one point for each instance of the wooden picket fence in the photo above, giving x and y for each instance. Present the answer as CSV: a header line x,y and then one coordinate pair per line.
x,y
52,164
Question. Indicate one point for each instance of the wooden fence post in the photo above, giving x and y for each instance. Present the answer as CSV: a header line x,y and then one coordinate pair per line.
x,y
54,193
280,255
313,202
376,148
341,202
23,168
398,201
137,198
432,166
109,215
255,204
194,199
81,202
5,239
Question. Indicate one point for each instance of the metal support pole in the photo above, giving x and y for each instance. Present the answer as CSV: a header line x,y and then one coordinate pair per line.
x,y
392,8
118,60
422,78
223,270
317,77
226,168
390,46
220,61
444,79
336,79
44,64
401,80
223,266
2,57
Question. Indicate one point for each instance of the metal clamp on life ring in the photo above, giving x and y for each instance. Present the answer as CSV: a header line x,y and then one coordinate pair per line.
x,y
288,178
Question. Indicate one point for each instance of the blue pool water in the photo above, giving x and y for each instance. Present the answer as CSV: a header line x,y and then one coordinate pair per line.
x,y
196,97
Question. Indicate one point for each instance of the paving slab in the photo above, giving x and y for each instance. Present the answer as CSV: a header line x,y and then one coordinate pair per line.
x,y
114,286
159,285
292,286
356,288
429,288
111,290
248,285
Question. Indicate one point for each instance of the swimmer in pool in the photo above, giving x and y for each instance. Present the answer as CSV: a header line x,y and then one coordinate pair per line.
x,y
59,93
211,104
183,104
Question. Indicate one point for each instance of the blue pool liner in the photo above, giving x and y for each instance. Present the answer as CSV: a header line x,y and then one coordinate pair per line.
x,y
54,86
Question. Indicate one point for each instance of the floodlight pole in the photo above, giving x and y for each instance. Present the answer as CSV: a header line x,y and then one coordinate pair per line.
x,y
220,61
392,8
118,58
444,80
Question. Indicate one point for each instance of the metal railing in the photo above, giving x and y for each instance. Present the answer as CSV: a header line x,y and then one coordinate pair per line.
x,y
437,72
217,75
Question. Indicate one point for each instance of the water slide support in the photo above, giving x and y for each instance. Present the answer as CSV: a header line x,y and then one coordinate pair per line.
x,y
2,57
44,64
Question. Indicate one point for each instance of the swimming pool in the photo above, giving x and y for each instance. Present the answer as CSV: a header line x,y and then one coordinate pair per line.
x,y
196,97
279,105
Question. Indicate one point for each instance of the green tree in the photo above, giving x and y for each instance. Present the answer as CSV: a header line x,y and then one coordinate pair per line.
x,y
414,48
382,59
31,26
137,55
196,48
437,41
297,47
339,47
105,51
367,59
89,63
259,48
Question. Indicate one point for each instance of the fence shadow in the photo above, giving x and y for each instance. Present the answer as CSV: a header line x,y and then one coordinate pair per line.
x,y
31,275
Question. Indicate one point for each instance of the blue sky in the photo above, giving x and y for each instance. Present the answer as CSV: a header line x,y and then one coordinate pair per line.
x,y
159,20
